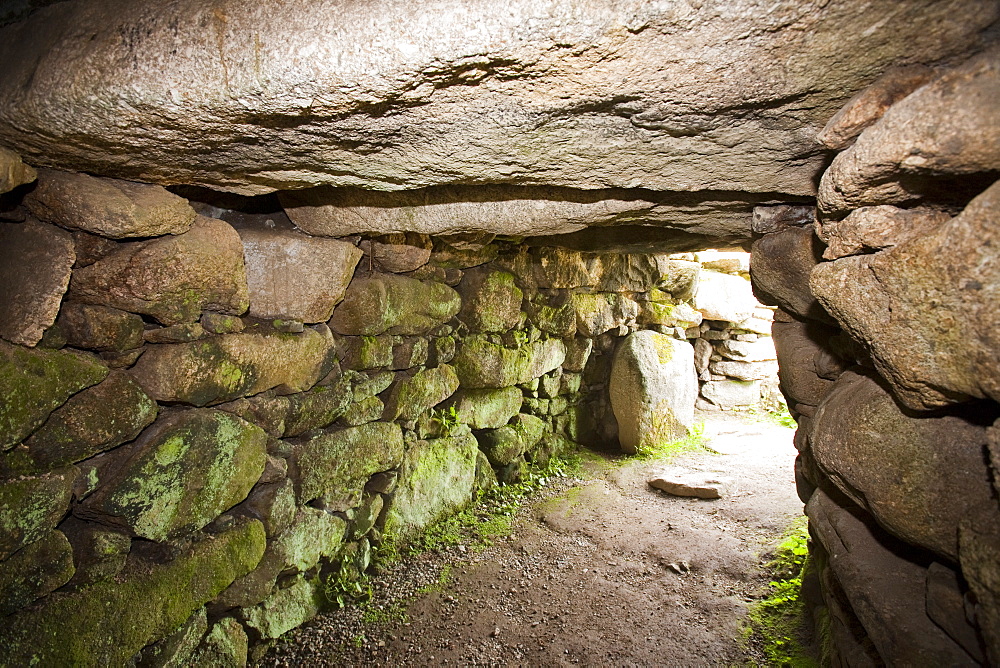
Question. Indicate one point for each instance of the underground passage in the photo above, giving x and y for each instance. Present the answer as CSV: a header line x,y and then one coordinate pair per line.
x,y
360,332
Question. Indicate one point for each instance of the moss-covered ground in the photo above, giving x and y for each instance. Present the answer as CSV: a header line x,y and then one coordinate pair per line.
x,y
777,625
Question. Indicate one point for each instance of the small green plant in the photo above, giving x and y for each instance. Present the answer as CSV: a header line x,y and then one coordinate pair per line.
x,y
779,416
666,450
777,624
447,419
342,587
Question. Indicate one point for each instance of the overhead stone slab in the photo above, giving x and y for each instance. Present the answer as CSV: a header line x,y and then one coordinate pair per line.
x,y
230,366
292,275
108,207
35,264
172,278
33,383
338,212
590,95
387,303
927,309
653,389
13,171
905,470
183,472
949,127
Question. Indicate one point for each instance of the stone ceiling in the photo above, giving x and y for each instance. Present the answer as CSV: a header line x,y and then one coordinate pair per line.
x,y
674,114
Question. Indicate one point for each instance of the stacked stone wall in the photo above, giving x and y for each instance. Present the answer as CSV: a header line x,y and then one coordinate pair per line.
x,y
207,413
885,332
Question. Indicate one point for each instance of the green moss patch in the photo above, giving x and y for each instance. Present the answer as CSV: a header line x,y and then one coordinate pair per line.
x,y
778,625
107,623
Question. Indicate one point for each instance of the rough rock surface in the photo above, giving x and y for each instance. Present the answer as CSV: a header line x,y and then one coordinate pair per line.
x,y
229,366
30,507
906,471
172,278
33,383
891,610
386,303
951,126
100,327
870,104
799,346
683,482
491,302
480,363
108,207
35,262
653,388
875,228
96,614
35,571
13,171
724,297
97,419
292,275
927,309
180,474
436,477
444,99
487,408
337,463
780,268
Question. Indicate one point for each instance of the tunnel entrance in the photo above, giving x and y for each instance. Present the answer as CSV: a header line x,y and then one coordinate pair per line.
x,y
285,284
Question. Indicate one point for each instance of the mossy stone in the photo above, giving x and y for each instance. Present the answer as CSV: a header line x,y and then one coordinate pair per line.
x,y
176,650
35,382
337,464
391,304
317,407
99,327
224,646
487,408
229,366
436,478
505,444
98,552
285,609
34,571
366,352
31,507
311,536
411,396
182,472
99,418
555,320
491,301
363,412
481,363
109,622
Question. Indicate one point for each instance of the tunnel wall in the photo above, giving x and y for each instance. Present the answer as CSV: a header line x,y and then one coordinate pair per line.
x,y
207,414
888,302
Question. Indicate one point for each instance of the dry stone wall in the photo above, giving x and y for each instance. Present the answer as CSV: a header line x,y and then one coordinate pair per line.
x,y
885,332
208,412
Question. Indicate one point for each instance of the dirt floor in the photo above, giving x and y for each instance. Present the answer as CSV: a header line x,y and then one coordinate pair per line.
x,y
601,570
